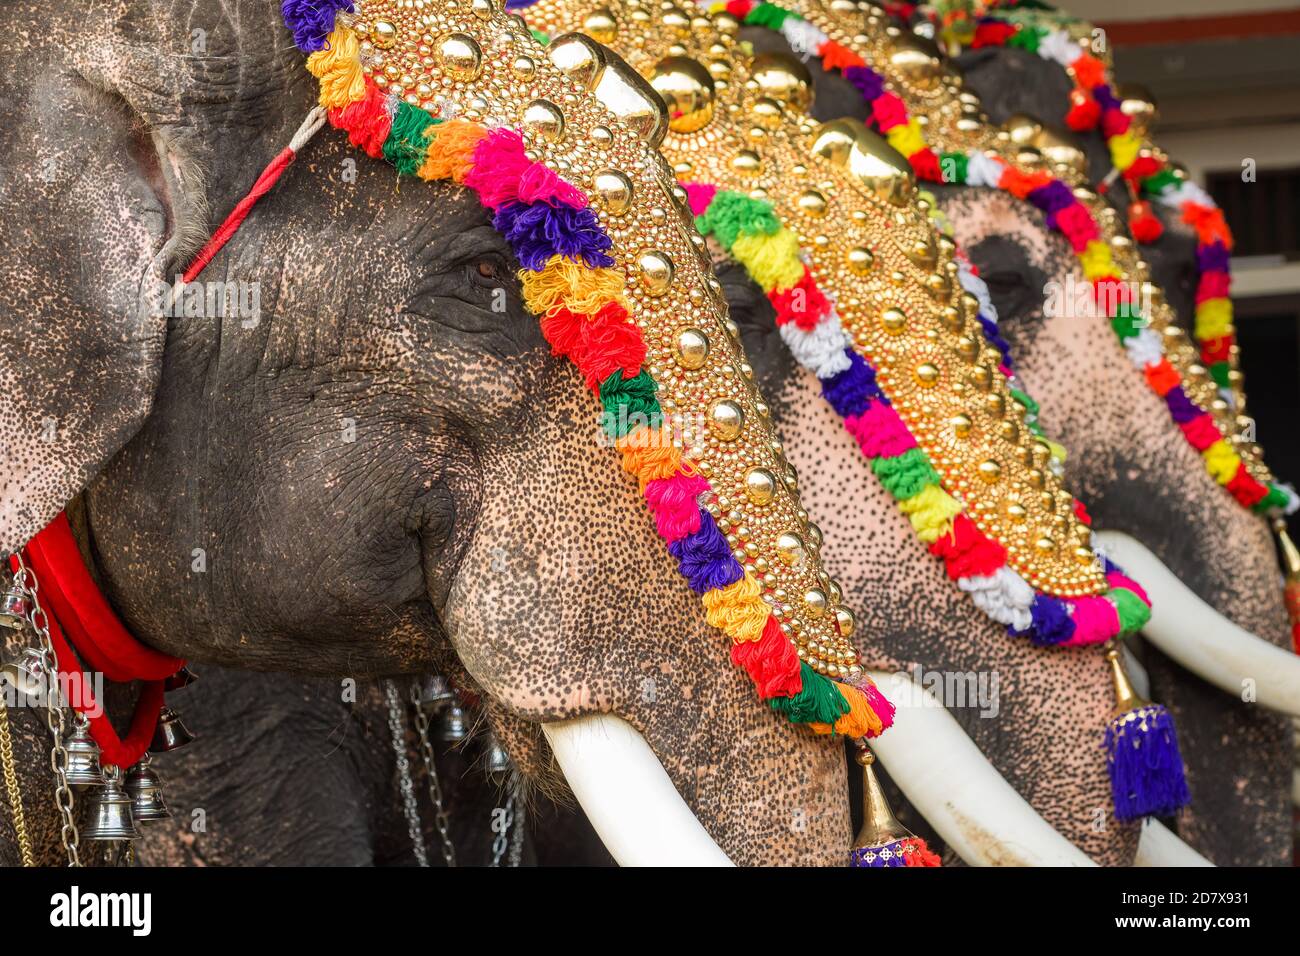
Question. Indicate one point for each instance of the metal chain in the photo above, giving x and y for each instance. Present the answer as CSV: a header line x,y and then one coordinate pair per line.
x,y
11,786
54,716
440,819
397,726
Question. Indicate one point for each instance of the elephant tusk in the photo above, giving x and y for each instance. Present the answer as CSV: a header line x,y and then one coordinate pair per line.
x,y
1159,847
946,778
1204,641
628,796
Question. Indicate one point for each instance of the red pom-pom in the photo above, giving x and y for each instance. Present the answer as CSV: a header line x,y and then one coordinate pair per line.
x,y
1142,222
610,343
1245,488
992,34
803,303
926,165
1084,111
1081,512
966,552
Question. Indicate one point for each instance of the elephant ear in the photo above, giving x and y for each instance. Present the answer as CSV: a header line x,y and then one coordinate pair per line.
x,y
87,240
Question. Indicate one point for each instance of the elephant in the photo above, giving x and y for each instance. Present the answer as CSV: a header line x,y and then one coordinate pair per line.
x,y
1128,461
383,473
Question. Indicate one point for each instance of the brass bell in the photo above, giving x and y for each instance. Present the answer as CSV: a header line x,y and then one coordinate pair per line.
x,y
145,791
452,727
27,675
110,811
435,693
171,732
497,764
14,608
83,768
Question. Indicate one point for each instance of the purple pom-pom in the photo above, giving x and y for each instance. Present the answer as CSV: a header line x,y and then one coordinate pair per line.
x,y
1213,257
851,390
705,559
1146,769
536,231
311,21
868,82
1180,406
995,339
1053,197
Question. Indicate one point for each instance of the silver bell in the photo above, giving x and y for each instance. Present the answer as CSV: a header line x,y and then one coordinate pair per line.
x,y
497,760
15,605
145,790
171,732
435,693
110,811
27,675
452,728
83,768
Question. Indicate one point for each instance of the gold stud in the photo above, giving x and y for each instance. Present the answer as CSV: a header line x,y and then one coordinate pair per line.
x,y
790,549
482,8
545,119
1045,544
861,260
657,271
691,349
726,419
812,202
814,600
747,161
845,622
760,486
460,56
525,66
1017,512
990,470
894,321
384,34
961,426
614,190
601,26
926,374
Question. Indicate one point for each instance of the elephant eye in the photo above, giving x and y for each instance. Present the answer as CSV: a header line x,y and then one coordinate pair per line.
x,y
488,270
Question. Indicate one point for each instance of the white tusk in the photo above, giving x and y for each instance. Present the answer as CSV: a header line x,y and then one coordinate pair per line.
x,y
943,774
628,796
1201,639
1159,847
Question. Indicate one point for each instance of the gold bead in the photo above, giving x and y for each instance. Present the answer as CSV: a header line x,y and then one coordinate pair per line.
x,y
525,66
961,426
790,549
460,55
726,419
968,348
926,374
760,486
614,190
384,34
545,119
990,470
657,271
812,203
844,621
691,349
860,260
601,26
1017,512
1045,544
894,321
814,600
747,161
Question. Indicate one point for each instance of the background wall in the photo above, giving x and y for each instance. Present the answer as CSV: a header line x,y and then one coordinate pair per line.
x,y
1226,77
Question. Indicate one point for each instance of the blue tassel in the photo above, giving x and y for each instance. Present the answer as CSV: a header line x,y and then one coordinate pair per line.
x,y
1146,769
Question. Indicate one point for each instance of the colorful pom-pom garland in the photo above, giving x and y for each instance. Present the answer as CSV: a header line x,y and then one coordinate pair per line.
x,y
750,231
1095,105
567,281
1067,215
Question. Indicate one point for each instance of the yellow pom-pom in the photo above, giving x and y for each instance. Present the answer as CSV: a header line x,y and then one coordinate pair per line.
x,y
1221,461
931,511
563,283
1213,319
738,610
1097,262
771,261
1124,149
338,67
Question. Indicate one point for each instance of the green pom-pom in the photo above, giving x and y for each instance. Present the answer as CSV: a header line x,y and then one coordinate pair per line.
x,y
540,37
408,139
629,403
1157,183
1276,498
819,702
1027,38
1133,611
953,166
1024,399
1127,322
767,15
733,214
905,475
1219,372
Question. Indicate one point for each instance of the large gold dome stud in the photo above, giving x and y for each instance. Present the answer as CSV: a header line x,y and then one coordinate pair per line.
x,y
847,143
614,190
545,119
1022,129
460,55
845,622
1137,103
790,549
384,34
657,271
760,486
691,349
601,26
687,89
918,61
579,57
860,260
726,419
781,77
1062,150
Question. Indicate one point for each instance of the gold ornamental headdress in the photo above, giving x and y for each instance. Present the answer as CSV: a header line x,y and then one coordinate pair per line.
x,y
869,298
563,154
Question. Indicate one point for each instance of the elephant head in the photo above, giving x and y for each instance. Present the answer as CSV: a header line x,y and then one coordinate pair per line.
x,y
380,469
1137,472
1153,496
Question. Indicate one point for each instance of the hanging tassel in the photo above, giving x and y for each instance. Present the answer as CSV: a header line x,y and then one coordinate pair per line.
x,y
1142,222
1146,769
1291,570
883,841
1084,111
